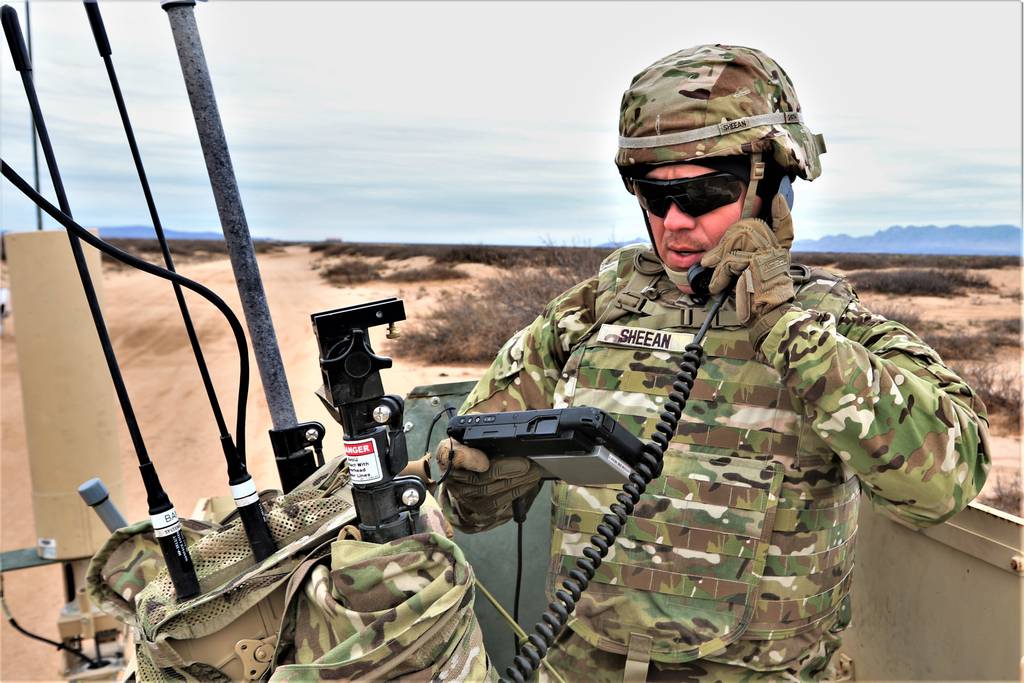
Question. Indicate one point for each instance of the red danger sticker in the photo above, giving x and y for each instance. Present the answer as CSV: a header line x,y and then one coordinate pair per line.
x,y
363,463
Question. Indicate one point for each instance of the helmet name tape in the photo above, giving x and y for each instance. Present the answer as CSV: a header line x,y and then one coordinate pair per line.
x,y
710,131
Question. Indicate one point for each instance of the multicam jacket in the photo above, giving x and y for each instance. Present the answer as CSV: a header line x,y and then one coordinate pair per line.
x,y
742,551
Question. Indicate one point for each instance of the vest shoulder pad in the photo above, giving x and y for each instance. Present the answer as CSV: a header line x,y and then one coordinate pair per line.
x,y
822,290
618,268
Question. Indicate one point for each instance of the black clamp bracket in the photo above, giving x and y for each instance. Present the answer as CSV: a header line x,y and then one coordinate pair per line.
x,y
299,451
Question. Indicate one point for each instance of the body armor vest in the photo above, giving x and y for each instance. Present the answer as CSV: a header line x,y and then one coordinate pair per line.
x,y
748,533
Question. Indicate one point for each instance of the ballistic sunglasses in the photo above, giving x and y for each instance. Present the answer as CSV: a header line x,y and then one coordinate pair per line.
x,y
694,196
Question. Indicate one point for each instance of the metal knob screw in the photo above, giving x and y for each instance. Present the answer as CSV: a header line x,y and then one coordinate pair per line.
x,y
410,497
381,414
311,435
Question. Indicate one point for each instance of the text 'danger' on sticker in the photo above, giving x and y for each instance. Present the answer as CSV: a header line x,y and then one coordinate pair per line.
x,y
363,463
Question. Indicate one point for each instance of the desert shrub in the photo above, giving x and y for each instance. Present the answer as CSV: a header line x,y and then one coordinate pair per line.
x,y
929,282
350,272
1004,332
960,345
181,250
1005,494
814,258
868,261
859,261
471,328
432,272
998,388
491,255
900,314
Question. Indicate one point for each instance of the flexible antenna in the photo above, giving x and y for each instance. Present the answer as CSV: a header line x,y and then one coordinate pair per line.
x,y
243,489
166,526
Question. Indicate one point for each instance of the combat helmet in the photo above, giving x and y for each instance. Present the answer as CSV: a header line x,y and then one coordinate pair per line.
x,y
714,101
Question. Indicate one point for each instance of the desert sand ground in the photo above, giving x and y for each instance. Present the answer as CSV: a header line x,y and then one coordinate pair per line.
x,y
175,416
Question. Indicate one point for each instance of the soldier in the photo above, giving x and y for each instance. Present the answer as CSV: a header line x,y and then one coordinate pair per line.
x,y
737,562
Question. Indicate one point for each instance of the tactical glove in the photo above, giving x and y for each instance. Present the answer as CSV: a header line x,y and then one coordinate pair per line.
x,y
760,257
481,490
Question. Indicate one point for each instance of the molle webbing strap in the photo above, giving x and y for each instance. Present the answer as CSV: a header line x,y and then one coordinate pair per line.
x,y
713,131
638,658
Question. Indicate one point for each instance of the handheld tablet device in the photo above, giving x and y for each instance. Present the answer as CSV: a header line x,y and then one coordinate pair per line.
x,y
577,445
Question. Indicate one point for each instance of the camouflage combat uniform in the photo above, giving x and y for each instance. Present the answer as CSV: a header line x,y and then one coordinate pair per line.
x,y
737,562
841,401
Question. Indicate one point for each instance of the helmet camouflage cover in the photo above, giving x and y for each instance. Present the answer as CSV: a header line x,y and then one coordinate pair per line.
x,y
713,101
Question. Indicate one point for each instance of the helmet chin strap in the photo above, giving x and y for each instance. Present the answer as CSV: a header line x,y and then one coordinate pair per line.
x,y
756,174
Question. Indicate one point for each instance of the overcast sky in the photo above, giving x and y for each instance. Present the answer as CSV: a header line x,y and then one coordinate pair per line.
x,y
496,122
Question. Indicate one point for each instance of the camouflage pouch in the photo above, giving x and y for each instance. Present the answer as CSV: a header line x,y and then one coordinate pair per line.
x,y
395,611
230,630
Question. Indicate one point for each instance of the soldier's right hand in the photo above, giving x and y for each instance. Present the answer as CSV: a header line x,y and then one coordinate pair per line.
x,y
483,489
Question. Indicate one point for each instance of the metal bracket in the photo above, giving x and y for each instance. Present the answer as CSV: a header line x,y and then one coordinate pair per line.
x,y
256,656
294,450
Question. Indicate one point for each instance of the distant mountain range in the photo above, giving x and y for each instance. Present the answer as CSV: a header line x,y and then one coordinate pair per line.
x,y
989,240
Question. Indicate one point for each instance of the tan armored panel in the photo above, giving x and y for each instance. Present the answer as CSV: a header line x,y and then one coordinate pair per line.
x,y
71,415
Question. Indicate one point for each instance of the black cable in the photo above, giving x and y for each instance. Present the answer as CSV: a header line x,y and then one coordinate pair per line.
x,y
519,582
93,663
252,514
448,409
78,231
92,10
551,623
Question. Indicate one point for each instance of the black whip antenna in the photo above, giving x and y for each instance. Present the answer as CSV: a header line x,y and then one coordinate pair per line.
x,y
166,526
243,489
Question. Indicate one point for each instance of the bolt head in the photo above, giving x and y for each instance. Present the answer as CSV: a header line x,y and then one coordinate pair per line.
x,y
435,400
410,497
408,427
311,435
381,414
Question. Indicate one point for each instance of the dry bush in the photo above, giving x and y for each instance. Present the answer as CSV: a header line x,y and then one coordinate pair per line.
x,y
859,261
432,272
350,272
1005,495
181,250
929,282
471,328
452,254
999,389
960,345
867,261
1004,332
900,314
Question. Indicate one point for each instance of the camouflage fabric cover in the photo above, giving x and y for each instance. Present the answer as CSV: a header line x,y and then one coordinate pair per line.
x,y
127,579
714,85
869,402
388,611
396,611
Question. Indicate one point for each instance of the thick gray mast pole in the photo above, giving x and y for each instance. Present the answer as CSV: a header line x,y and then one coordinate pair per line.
x,y
181,14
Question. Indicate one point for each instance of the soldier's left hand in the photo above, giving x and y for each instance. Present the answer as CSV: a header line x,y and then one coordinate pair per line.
x,y
759,256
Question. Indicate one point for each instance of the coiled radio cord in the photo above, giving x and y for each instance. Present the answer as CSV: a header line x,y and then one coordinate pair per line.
x,y
551,623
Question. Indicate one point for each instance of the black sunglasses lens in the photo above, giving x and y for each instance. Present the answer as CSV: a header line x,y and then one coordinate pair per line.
x,y
694,196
